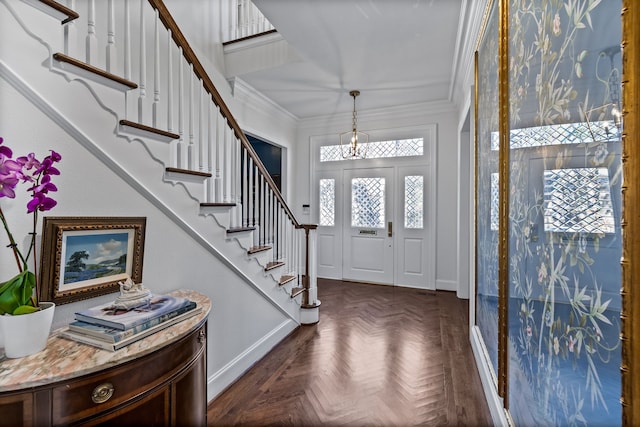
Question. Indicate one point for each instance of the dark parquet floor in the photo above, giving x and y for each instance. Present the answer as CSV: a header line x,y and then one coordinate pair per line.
x,y
380,356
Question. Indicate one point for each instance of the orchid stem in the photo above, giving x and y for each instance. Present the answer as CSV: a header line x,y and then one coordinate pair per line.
x,y
12,244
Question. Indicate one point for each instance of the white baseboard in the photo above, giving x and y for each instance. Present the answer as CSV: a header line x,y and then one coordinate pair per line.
x,y
487,377
233,370
447,285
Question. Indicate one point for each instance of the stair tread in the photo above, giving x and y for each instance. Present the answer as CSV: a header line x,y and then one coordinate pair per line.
x,y
286,279
189,172
239,229
297,291
57,9
273,264
257,249
213,205
149,129
61,57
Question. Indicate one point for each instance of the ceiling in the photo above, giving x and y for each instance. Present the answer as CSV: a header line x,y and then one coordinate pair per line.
x,y
396,52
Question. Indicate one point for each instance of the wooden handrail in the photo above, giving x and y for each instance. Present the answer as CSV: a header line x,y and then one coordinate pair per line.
x,y
198,69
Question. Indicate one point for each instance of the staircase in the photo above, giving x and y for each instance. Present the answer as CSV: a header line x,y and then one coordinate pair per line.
x,y
143,86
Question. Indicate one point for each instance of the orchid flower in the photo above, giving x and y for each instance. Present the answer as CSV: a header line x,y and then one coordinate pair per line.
x,y
38,173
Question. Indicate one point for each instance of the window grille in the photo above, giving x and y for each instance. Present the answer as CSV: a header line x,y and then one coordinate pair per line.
x,y
367,202
378,149
495,201
327,202
578,201
567,133
413,201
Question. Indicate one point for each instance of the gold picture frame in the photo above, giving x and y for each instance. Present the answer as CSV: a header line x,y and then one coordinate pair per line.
x,y
84,257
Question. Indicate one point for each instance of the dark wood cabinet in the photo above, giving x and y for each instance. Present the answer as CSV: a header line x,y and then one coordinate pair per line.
x,y
166,387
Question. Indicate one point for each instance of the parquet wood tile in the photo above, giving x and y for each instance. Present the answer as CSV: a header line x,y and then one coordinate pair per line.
x,y
380,356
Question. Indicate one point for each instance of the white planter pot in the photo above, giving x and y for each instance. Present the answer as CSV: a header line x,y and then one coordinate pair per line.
x,y
27,333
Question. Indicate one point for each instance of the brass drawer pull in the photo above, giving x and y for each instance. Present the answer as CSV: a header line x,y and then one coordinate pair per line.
x,y
102,393
202,336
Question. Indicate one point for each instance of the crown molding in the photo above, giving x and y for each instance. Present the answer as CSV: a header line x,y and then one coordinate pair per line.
x,y
247,94
470,25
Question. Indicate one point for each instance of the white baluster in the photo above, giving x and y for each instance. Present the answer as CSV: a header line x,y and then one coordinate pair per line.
x,y
127,40
191,117
219,140
251,220
180,143
201,157
233,20
233,172
210,136
270,220
70,30
142,83
244,188
263,211
169,82
111,38
238,178
156,71
226,176
91,44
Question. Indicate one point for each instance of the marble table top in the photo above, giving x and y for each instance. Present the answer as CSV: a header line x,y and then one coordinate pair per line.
x,y
63,359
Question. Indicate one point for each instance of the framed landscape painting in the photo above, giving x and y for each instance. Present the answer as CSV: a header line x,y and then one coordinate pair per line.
x,y
84,257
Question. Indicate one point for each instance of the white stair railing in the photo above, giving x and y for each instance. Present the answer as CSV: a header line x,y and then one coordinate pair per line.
x,y
138,39
246,20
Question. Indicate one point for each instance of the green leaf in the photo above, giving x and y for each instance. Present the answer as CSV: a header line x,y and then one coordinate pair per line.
x,y
17,291
25,309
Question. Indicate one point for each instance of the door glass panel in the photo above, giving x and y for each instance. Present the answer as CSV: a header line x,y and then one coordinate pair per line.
x,y
327,202
564,213
367,202
413,201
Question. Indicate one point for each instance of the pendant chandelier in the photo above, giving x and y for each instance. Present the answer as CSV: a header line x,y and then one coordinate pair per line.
x,y
353,144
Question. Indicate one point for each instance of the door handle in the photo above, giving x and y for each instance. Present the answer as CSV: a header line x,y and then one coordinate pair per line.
x,y
390,229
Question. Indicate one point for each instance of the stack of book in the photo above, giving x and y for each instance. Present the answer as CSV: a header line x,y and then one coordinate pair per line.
x,y
111,329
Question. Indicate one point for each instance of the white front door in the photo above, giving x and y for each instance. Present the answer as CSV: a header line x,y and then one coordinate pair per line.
x,y
368,253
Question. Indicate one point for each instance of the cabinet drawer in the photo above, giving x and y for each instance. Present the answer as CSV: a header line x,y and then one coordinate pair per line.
x,y
96,393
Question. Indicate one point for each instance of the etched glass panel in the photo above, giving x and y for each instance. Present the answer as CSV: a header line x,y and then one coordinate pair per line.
x,y
378,149
329,153
367,202
560,134
327,202
413,201
578,201
495,200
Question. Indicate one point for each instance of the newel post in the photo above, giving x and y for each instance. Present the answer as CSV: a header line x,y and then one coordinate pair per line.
x,y
310,307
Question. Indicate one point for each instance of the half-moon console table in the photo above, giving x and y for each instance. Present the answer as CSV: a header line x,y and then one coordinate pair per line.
x,y
157,381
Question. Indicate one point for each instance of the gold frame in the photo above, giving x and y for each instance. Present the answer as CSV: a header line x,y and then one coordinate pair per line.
x,y
503,216
630,324
51,265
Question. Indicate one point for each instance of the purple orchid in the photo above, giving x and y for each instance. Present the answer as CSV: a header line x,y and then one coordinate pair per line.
x,y
40,202
7,186
5,151
38,174
29,161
